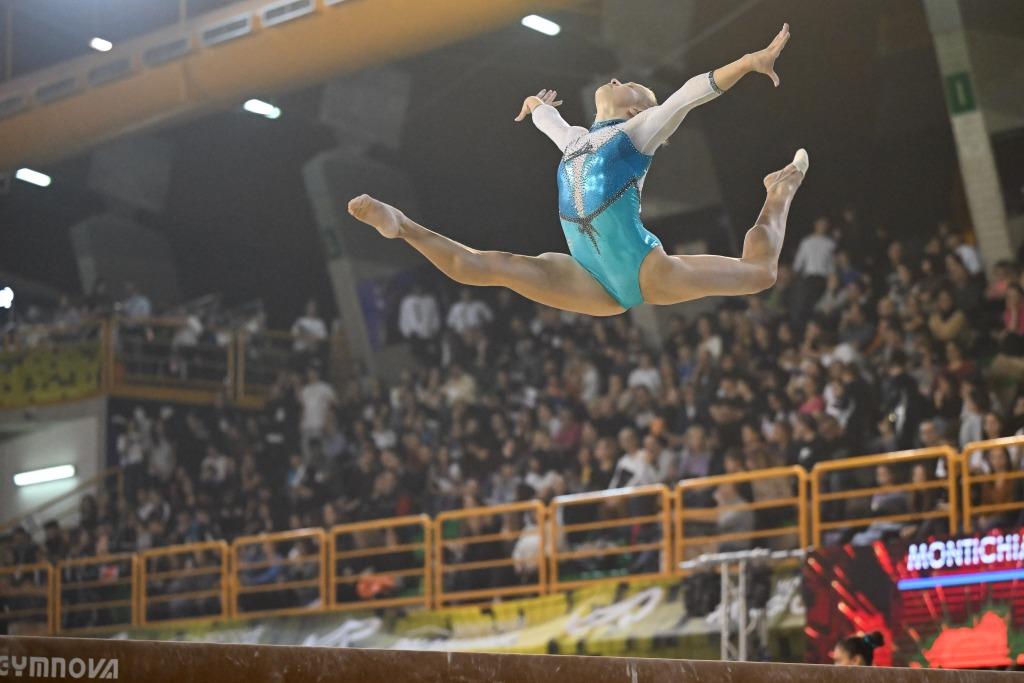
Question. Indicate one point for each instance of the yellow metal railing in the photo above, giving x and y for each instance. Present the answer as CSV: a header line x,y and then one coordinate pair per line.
x,y
610,535
381,563
153,356
46,364
96,594
762,508
26,594
490,552
149,359
993,497
279,574
841,500
184,583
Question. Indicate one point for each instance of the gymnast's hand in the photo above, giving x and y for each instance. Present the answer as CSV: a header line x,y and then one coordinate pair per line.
x,y
534,101
763,61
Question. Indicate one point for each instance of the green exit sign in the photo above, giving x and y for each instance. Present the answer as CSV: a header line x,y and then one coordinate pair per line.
x,y
960,93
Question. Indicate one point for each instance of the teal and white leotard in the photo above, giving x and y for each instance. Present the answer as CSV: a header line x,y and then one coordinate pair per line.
x,y
600,179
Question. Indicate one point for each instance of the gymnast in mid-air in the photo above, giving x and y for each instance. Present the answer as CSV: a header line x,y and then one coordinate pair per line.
x,y
614,262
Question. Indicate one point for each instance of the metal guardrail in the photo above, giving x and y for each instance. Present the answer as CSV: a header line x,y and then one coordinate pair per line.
x,y
151,358
96,594
381,563
774,517
184,583
994,497
279,574
841,501
611,535
499,548
486,553
26,599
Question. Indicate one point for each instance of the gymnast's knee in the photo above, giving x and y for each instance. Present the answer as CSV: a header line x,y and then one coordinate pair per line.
x,y
763,276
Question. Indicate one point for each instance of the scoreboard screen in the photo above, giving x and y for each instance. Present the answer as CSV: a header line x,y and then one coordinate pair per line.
x,y
952,603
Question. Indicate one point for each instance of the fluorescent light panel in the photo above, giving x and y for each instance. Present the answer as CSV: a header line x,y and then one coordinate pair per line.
x,y
262,108
47,474
34,177
101,44
545,26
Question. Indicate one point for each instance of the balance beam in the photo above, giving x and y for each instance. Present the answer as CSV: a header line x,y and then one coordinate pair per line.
x,y
63,659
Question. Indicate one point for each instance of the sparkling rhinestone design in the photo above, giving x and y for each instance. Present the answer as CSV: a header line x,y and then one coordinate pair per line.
x,y
577,155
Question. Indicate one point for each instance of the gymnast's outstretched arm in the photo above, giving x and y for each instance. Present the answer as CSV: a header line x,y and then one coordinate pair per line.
x,y
650,128
548,120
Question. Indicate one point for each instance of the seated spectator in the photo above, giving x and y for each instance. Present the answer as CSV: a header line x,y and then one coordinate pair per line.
x,y
732,520
947,322
135,306
316,398
635,467
884,503
1002,490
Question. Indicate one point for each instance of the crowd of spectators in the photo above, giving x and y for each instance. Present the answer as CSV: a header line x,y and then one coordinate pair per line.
x,y
866,344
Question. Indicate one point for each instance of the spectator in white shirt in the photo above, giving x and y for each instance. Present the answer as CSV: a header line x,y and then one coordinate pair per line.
x,y
468,313
317,398
309,331
814,256
967,253
635,467
419,321
646,374
460,387
813,263
136,305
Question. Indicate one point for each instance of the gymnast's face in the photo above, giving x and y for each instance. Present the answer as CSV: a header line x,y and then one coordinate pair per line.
x,y
623,99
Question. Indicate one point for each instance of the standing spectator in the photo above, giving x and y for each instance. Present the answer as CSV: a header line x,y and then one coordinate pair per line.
x,y
468,313
136,305
309,332
813,263
419,321
317,398
902,401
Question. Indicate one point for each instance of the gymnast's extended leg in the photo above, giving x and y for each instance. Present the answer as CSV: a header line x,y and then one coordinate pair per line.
x,y
550,279
666,279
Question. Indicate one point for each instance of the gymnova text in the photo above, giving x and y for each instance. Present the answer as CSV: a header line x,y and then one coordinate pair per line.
x,y
965,552
12,666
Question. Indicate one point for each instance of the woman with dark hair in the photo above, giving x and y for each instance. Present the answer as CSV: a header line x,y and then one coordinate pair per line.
x,y
857,650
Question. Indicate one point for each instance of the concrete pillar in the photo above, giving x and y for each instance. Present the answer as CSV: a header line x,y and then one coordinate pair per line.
x,y
971,132
355,253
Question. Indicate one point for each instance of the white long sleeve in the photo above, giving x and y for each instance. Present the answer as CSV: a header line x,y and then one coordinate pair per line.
x,y
652,127
551,123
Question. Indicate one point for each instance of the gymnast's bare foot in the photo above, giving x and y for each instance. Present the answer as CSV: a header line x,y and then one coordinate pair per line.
x,y
789,178
386,218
